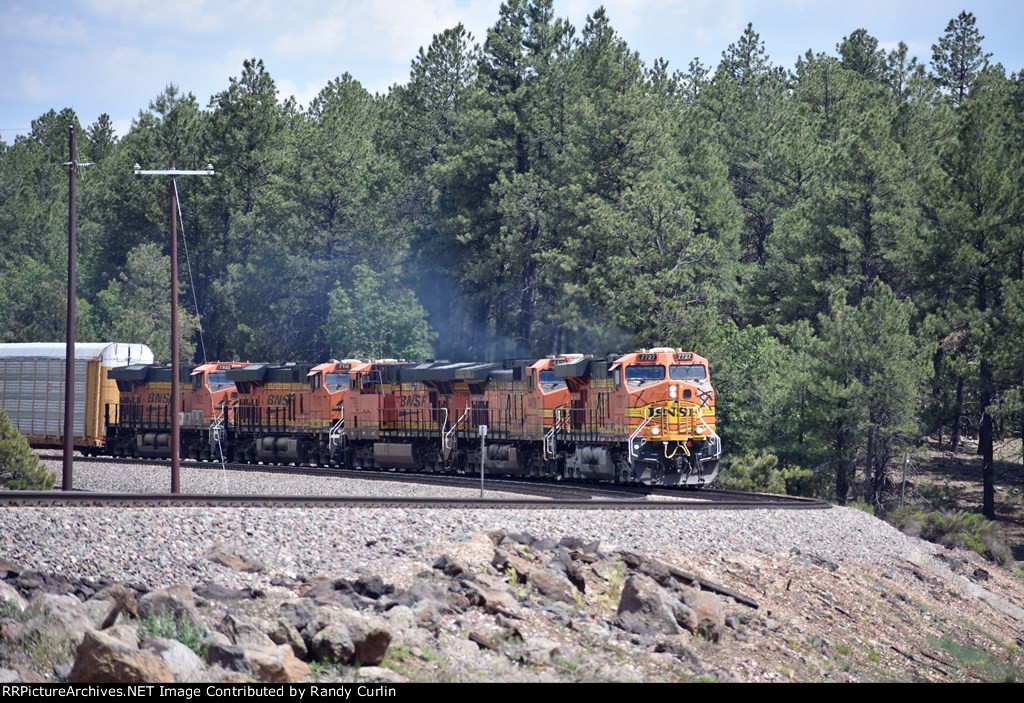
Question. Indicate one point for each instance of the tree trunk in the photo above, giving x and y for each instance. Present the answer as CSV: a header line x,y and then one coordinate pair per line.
x,y
985,448
958,412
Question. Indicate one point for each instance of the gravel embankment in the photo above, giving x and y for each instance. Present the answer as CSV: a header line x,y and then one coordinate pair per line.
x,y
212,480
162,546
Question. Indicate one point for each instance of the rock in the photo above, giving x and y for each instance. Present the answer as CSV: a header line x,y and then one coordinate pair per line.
x,y
333,644
552,584
519,538
449,567
176,603
538,650
648,567
277,665
980,575
679,646
544,544
298,612
119,599
491,599
325,592
56,618
63,670
214,591
484,640
369,635
707,615
509,563
9,676
10,598
228,656
286,633
125,634
646,609
229,555
247,633
8,569
372,587
103,659
570,542
185,665
595,630
400,617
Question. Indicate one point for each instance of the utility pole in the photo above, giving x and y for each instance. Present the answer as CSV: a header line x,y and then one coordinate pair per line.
x,y
175,361
69,351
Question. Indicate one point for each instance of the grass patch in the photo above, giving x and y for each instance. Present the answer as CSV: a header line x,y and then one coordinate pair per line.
x,y
954,528
396,658
979,660
168,627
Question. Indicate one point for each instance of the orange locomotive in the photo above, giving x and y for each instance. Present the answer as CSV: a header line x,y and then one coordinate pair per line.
x,y
644,417
139,425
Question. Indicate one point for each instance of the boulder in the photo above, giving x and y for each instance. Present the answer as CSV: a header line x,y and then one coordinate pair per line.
x,y
645,608
11,598
510,563
298,612
707,616
231,556
449,567
104,659
552,584
333,644
185,665
369,636
277,665
228,656
56,618
247,633
286,633
176,603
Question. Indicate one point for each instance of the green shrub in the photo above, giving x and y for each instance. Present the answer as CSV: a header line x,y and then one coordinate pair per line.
x,y
20,469
168,627
761,473
954,528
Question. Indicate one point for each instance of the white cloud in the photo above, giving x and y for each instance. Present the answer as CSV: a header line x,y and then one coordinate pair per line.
x,y
303,95
22,26
319,38
185,16
34,88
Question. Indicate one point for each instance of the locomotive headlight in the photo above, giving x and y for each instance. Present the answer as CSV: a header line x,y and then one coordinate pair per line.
x,y
673,392
655,431
699,430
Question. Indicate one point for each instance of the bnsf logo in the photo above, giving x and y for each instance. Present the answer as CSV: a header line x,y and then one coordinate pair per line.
x,y
158,398
283,399
413,401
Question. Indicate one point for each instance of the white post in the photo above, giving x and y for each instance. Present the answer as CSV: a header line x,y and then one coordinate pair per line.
x,y
483,456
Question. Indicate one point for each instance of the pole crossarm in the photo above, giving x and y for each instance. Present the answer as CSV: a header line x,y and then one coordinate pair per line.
x,y
208,171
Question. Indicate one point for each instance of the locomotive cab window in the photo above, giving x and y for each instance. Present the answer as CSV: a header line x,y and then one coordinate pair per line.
x,y
645,373
688,372
219,381
550,382
337,381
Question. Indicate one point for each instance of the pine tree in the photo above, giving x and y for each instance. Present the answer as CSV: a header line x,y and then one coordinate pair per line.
x,y
958,59
20,469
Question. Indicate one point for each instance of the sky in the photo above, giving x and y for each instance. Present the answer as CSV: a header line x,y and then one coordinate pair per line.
x,y
115,56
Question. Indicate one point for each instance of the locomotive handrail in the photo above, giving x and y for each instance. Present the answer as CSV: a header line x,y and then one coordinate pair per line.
x,y
550,443
634,451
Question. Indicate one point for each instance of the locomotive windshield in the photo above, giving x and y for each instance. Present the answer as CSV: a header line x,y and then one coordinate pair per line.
x,y
549,381
219,381
692,372
638,375
337,381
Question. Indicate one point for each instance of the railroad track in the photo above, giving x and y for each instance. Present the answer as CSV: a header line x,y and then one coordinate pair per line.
x,y
553,494
86,499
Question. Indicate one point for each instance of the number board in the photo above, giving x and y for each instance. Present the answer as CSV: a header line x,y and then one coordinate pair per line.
x,y
688,356
646,357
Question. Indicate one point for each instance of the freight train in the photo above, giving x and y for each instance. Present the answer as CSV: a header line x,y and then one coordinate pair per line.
x,y
645,417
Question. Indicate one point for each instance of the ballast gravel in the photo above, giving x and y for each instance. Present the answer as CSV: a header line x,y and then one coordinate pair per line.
x,y
161,546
